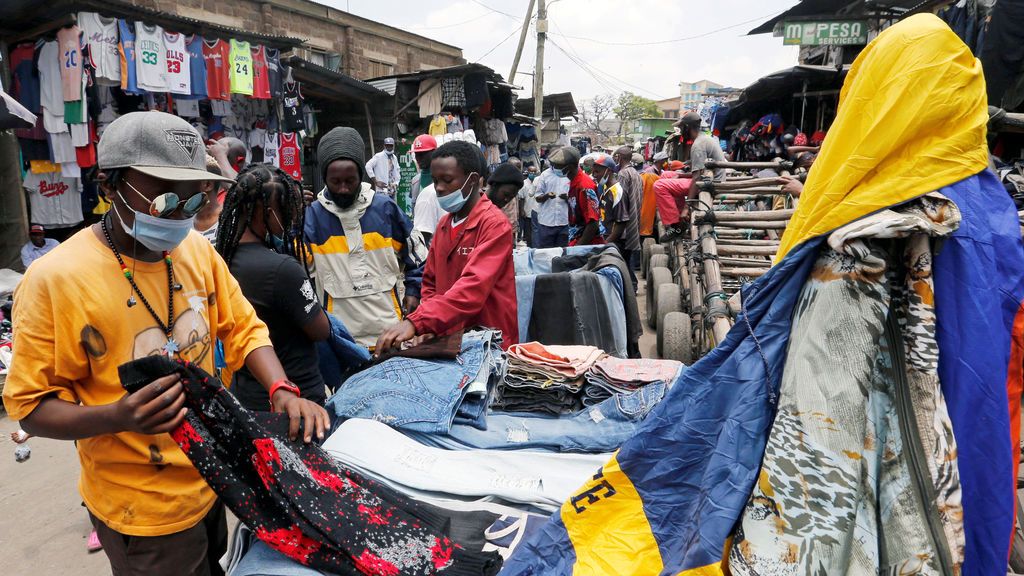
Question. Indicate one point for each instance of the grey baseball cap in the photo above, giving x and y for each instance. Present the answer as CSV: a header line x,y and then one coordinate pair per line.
x,y
157,144
389,141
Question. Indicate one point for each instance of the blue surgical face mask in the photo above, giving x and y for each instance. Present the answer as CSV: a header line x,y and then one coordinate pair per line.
x,y
454,202
558,172
157,234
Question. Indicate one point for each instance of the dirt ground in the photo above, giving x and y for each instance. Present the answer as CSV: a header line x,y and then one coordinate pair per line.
x,y
43,526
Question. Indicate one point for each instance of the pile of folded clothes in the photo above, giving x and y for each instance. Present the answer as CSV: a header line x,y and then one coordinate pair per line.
x,y
611,376
546,379
426,395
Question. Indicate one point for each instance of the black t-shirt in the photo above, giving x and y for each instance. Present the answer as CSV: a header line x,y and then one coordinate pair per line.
x,y
277,287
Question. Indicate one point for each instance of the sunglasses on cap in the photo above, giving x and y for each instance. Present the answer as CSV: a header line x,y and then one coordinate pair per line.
x,y
165,204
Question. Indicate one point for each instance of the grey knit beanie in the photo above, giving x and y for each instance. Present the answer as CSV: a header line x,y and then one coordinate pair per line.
x,y
341,143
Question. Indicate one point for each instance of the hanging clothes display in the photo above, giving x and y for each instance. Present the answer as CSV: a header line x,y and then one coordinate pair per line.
x,y
240,68
100,35
178,76
196,67
218,59
127,54
260,73
430,97
151,58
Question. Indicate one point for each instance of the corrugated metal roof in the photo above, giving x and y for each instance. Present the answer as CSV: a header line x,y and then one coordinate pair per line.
x,y
389,85
335,82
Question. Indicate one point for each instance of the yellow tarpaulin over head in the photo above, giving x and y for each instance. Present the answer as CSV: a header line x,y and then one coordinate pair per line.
x,y
911,119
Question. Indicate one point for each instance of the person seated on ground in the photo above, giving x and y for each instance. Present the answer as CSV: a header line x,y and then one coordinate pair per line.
x,y
469,279
261,241
206,220
38,245
584,206
360,243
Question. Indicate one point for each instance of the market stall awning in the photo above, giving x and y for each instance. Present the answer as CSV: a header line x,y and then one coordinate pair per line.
x,y
840,9
26,19
786,85
563,101
460,70
327,84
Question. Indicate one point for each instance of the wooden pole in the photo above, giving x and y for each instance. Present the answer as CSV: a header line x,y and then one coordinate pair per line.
x,y
727,216
744,272
713,277
742,262
776,165
763,225
747,250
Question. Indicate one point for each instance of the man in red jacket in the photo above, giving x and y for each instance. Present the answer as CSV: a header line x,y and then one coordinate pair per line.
x,y
469,279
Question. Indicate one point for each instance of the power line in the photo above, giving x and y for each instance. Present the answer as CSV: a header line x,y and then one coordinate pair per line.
x,y
673,41
452,25
589,68
516,18
496,46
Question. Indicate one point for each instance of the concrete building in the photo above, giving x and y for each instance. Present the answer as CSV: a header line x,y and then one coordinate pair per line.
x,y
670,107
692,93
334,39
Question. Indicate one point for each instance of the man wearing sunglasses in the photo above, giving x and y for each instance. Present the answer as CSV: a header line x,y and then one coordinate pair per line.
x,y
141,282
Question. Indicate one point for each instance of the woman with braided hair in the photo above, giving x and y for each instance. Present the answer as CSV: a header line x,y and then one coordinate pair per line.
x,y
259,235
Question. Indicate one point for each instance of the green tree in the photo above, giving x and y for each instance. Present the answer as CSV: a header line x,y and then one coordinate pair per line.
x,y
630,107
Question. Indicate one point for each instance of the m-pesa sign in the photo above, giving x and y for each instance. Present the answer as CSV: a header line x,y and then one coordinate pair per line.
x,y
835,33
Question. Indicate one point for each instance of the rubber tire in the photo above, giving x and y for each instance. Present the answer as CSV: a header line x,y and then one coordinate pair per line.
x,y
658,260
668,301
646,258
676,338
657,276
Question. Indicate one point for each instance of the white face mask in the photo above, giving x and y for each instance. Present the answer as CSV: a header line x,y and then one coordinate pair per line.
x,y
389,152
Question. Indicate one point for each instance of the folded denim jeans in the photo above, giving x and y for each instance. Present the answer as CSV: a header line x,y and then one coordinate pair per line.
x,y
600,428
418,394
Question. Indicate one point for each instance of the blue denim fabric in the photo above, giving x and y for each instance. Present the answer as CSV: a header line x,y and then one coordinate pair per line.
x,y
601,428
532,262
262,560
422,395
550,236
524,302
611,286
339,353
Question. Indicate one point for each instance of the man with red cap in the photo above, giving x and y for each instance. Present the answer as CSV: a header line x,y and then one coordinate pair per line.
x,y
426,211
38,245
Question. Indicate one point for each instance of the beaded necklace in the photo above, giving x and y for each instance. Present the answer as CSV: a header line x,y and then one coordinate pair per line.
x,y
171,347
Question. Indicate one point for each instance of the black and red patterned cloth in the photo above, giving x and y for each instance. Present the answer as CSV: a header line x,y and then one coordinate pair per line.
x,y
298,499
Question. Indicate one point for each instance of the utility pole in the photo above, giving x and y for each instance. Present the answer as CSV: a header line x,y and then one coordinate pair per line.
x,y
538,74
522,40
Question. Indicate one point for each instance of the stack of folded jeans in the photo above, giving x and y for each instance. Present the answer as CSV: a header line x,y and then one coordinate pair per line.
x,y
611,376
426,395
545,379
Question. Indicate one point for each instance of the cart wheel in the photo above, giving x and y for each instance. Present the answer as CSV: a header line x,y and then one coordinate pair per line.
x,y
658,260
676,338
646,255
668,301
658,276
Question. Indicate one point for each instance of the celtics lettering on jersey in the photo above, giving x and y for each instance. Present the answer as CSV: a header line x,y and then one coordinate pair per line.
x,y
149,52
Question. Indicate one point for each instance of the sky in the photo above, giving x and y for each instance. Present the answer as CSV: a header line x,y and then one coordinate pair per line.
x,y
602,46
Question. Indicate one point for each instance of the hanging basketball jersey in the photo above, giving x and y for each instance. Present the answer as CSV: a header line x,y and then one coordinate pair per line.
x,y
150,60
260,78
218,59
179,79
70,45
196,66
271,148
274,72
100,34
292,106
241,68
126,48
50,90
290,156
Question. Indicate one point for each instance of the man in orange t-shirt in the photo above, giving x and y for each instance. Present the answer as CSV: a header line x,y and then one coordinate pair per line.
x,y
649,206
140,282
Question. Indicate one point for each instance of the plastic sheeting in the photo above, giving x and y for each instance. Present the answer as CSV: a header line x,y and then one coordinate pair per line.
x,y
912,117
